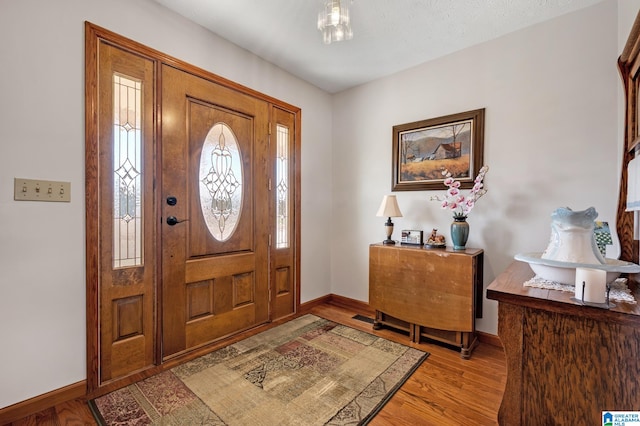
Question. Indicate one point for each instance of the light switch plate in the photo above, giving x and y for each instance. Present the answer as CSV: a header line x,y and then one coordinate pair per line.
x,y
41,190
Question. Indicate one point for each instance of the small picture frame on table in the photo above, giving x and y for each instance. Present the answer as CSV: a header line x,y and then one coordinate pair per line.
x,y
412,237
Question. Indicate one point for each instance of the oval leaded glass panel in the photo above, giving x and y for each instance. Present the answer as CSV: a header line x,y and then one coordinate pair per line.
x,y
221,181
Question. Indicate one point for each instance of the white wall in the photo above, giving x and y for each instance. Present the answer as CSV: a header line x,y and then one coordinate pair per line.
x,y
627,12
551,137
42,284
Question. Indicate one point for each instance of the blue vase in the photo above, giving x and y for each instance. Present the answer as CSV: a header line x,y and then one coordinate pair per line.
x,y
459,232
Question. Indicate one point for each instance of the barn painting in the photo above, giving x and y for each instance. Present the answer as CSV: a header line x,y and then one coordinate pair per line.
x,y
424,149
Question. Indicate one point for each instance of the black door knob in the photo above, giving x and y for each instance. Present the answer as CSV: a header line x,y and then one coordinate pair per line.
x,y
172,220
172,201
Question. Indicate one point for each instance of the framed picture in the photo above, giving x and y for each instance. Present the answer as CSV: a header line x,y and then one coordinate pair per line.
x,y
411,236
423,149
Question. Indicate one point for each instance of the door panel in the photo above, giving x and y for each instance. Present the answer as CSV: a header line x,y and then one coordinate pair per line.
x,y
212,287
200,118
127,255
285,295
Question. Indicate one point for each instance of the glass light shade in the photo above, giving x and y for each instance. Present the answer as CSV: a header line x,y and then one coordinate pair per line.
x,y
334,22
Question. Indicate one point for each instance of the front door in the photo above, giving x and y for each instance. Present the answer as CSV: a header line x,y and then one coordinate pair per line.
x,y
187,176
214,209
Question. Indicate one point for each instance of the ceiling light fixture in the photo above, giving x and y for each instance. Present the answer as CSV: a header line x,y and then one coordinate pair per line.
x,y
333,21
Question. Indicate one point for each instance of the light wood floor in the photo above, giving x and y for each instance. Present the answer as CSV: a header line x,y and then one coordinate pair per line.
x,y
445,390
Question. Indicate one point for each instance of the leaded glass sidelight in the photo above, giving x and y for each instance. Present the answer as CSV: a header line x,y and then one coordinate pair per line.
x,y
221,181
127,172
282,187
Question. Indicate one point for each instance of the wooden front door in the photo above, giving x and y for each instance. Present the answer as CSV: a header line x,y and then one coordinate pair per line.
x,y
214,210
192,198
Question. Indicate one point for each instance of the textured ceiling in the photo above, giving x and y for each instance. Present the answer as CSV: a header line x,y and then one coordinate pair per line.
x,y
389,35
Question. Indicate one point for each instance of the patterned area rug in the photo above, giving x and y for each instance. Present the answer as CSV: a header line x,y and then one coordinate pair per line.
x,y
308,371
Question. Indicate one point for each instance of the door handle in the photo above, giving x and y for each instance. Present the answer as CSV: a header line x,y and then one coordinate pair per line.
x,y
172,220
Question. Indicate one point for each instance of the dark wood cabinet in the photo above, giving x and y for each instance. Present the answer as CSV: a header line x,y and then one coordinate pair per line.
x,y
566,363
429,293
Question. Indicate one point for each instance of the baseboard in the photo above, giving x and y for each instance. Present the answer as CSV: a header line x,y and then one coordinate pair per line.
x,y
357,305
334,299
307,306
489,339
39,403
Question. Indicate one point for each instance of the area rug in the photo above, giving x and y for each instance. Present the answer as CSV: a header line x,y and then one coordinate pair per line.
x,y
308,371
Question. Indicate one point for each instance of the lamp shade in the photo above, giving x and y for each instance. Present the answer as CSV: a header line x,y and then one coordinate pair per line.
x,y
389,207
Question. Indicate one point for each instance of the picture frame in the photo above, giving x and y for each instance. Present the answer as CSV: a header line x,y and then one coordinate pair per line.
x,y
423,149
412,237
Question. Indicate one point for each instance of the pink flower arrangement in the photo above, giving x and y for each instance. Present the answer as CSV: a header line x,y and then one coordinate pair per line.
x,y
454,200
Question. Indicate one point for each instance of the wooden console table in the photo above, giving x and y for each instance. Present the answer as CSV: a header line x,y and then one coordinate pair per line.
x,y
566,363
430,293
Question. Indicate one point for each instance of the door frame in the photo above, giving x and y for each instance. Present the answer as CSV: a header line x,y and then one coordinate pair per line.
x,y
94,35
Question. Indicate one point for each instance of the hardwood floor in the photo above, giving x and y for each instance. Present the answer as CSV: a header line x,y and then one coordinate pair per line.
x,y
445,390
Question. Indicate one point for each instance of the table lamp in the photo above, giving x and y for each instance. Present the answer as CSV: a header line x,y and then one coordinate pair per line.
x,y
389,208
